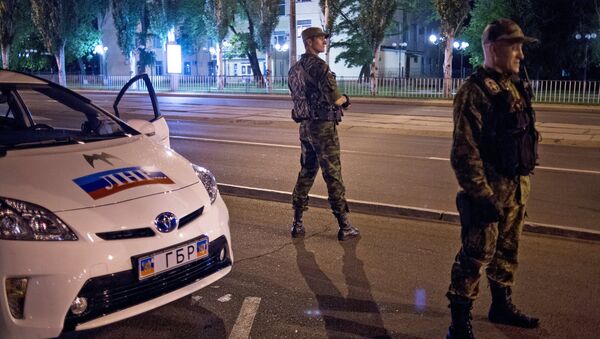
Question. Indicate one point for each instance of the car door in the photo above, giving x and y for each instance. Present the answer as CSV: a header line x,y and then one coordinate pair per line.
x,y
140,109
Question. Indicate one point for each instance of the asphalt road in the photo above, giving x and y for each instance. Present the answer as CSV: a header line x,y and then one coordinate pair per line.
x,y
390,283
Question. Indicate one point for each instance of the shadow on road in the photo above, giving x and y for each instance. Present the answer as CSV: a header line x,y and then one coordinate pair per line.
x,y
332,304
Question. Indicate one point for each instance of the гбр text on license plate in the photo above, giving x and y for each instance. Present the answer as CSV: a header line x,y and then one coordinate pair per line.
x,y
164,260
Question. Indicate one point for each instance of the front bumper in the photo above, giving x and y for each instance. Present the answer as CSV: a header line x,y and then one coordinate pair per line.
x,y
102,270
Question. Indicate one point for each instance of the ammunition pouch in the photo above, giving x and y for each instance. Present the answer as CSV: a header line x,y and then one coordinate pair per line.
x,y
477,212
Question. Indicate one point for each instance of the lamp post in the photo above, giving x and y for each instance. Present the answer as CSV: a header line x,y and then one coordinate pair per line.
x,y
436,40
399,47
587,37
461,46
279,48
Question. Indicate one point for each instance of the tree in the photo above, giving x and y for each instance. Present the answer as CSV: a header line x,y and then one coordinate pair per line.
x,y
52,19
268,18
331,12
192,28
15,18
452,17
219,15
86,34
373,18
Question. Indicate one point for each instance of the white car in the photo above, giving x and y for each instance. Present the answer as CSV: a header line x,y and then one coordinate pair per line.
x,y
99,219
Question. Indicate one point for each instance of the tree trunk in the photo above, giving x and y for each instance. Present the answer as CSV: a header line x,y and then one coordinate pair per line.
x,y
82,66
60,63
5,55
326,20
256,72
293,38
375,72
448,65
132,64
220,67
269,71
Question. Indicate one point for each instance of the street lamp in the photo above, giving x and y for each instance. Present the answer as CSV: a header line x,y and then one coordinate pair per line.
x,y
101,50
279,48
461,46
399,47
436,40
587,37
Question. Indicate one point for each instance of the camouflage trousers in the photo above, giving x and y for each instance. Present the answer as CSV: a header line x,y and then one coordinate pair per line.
x,y
320,149
492,246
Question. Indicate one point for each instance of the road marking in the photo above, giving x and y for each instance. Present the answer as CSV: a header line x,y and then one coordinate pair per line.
x,y
243,324
237,142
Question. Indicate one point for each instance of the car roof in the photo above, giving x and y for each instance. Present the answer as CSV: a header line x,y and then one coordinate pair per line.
x,y
9,77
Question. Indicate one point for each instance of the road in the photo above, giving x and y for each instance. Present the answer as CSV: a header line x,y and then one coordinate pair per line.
x,y
391,282
385,160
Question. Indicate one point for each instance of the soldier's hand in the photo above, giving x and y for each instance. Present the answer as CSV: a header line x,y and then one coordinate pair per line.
x,y
491,210
346,104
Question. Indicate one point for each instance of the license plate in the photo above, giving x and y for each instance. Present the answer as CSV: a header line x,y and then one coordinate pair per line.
x,y
155,263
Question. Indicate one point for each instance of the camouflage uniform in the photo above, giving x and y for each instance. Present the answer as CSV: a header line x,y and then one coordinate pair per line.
x,y
318,138
493,245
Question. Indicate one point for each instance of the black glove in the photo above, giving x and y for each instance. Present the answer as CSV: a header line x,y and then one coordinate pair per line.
x,y
347,103
491,210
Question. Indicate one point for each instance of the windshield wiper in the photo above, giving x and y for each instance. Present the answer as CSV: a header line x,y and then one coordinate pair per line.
x,y
49,142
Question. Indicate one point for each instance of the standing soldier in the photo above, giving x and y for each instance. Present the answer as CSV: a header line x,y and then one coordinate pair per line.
x,y
494,151
318,108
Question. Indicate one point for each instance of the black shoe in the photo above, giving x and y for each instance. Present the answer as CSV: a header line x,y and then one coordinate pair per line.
x,y
297,225
503,311
461,327
347,231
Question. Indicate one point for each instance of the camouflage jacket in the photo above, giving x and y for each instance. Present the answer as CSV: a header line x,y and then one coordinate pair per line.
x,y
322,95
477,175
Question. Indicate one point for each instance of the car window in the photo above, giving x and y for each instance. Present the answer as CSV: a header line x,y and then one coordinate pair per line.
x,y
50,115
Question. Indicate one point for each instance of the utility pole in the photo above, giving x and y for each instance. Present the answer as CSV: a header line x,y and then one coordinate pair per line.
x,y
292,32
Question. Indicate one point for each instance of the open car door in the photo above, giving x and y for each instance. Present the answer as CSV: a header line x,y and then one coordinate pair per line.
x,y
141,111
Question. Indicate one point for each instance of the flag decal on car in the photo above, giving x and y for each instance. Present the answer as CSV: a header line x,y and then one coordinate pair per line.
x,y
102,184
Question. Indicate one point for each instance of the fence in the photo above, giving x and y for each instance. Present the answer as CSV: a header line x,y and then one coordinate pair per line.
x,y
547,91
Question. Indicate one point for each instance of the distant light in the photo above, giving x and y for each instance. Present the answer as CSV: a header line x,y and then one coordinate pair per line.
x,y
433,38
577,36
464,45
456,44
174,58
285,47
171,35
278,46
99,49
212,50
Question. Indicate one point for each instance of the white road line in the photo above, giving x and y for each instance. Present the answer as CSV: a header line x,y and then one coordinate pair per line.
x,y
543,168
243,324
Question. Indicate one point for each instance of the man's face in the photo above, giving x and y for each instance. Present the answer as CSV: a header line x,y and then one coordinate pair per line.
x,y
507,56
318,44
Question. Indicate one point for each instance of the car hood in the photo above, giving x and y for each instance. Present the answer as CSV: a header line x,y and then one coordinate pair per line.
x,y
95,174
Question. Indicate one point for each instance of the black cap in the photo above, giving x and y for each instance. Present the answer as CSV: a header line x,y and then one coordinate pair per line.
x,y
504,30
312,32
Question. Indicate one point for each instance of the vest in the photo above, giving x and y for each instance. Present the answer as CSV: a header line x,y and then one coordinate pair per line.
x,y
509,138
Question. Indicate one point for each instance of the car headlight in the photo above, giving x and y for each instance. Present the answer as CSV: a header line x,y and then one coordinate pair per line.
x,y
21,220
208,180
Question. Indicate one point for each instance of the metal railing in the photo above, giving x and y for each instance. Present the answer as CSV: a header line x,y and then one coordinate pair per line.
x,y
547,91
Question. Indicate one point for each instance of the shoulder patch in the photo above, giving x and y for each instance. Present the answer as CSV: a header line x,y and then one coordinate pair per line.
x,y
491,85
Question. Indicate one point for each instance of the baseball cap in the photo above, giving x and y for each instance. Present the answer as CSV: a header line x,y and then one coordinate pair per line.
x,y
504,30
312,32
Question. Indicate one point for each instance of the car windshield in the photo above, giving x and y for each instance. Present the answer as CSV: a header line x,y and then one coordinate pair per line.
x,y
41,115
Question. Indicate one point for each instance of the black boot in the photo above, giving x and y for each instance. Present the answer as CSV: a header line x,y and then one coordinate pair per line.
x,y
346,231
461,321
503,311
297,224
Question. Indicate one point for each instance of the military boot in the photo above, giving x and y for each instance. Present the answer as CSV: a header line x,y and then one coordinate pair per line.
x,y
503,311
346,231
461,321
297,224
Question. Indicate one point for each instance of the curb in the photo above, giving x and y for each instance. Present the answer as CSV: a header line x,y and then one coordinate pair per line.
x,y
397,211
